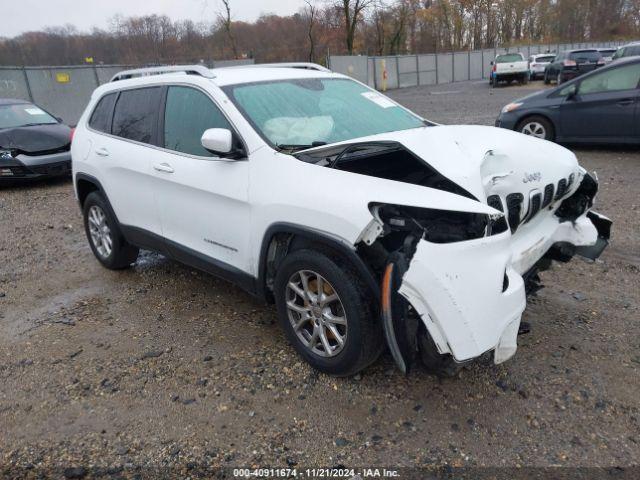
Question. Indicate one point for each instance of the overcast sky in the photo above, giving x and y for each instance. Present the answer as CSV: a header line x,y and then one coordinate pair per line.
x,y
25,15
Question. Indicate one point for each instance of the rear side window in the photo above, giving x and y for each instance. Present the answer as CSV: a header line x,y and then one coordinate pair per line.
x,y
617,79
545,59
136,114
188,113
101,117
632,51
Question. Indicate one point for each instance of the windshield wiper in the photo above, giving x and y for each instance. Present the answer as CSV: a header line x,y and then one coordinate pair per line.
x,y
296,147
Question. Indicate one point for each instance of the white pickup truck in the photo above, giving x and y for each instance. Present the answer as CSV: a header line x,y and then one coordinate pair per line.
x,y
508,67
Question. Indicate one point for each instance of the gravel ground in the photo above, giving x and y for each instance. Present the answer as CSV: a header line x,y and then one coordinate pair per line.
x,y
164,367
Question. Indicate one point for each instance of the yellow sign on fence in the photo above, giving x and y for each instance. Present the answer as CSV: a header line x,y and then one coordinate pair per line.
x,y
63,77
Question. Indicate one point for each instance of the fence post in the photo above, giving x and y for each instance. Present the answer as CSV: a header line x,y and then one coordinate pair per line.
x,y
398,69
417,70
436,58
453,65
26,82
367,69
375,74
482,68
95,74
469,62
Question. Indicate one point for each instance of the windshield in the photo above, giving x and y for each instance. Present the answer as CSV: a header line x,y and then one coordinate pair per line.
x,y
508,58
23,115
586,56
302,113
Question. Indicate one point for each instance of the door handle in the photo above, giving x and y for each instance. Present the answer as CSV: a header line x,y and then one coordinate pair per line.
x,y
626,101
163,167
102,152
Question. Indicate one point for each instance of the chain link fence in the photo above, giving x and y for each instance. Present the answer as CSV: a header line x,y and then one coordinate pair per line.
x,y
399,71
65,91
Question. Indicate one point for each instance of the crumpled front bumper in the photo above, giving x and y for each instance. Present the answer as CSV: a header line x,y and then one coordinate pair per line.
x,y
471,295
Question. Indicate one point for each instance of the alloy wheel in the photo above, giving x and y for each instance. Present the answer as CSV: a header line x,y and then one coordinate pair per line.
x,y
316,313
535,129
100,231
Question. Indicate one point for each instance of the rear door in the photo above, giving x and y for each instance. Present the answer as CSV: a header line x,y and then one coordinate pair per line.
x,y
203,199
605,105
124,154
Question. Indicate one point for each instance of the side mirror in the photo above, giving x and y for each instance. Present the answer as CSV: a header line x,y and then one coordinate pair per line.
x,y
572,92
217,140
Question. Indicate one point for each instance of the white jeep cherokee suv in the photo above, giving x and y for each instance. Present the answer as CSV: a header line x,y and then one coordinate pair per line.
x,y
362,221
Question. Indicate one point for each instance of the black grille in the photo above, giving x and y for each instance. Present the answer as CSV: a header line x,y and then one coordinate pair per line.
x,y
499,225
562,188
548,196
534,206
514,208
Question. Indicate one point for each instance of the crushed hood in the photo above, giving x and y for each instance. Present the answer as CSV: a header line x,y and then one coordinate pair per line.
x,y
479,158
34,139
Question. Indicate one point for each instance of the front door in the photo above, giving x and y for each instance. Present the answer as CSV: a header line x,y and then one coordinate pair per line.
x,y
202,199
604,105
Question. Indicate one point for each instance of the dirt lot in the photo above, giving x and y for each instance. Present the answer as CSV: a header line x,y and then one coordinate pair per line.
x,y
164,367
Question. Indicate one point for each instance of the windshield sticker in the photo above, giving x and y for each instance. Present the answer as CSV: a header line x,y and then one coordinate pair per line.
x,y
34,111
378,99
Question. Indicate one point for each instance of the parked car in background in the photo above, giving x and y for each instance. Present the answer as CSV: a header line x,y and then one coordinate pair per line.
x,y
630,50
537,64
234,171
607,54
571,64
599,107
33,143
509,67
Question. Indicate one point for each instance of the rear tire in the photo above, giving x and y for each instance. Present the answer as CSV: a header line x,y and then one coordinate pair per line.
x,y
559,79
361,332
103,232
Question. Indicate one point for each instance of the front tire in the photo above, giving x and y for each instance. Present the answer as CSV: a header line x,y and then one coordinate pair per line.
x,y
327,313
443,366
537,126
546,79
105,238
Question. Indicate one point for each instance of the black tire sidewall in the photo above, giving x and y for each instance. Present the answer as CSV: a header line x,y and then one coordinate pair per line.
x,y
355,307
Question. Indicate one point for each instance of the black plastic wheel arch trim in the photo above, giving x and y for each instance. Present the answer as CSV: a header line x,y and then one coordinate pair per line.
x,y
343,248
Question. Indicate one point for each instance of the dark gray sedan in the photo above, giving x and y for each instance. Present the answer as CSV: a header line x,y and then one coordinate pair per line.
x,y
599,107
33,143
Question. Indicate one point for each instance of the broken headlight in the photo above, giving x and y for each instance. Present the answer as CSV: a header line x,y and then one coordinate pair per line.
x,y
437,226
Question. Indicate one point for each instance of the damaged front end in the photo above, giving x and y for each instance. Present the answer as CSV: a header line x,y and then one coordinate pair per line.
x,y
454,276
398,253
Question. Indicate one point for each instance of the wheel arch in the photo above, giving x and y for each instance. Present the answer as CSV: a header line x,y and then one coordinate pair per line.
x,y
86,184
281,238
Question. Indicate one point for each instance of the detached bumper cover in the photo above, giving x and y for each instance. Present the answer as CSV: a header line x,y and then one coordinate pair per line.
x,y
27,167
471,295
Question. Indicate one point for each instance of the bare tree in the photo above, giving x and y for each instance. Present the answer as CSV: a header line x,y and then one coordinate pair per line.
x,y
225,20
352,10
311,11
